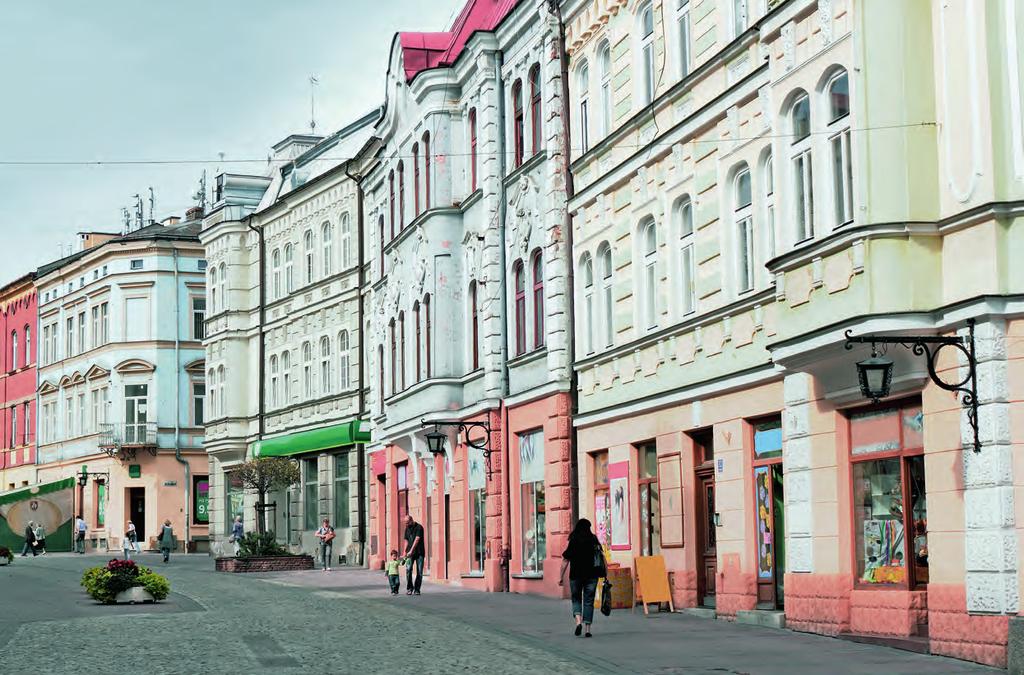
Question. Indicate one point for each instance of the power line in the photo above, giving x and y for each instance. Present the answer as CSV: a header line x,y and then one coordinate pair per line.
x,y
263,160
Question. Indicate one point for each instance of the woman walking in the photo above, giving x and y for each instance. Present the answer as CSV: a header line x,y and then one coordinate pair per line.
x,y
326,535
131,536
165,540
585,560
41,538
237,534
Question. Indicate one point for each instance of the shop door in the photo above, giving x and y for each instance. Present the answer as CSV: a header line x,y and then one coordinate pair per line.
x,y
771,536
137,511
707,552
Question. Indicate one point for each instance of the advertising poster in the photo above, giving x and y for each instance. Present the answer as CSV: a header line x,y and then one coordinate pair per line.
x,y
618,489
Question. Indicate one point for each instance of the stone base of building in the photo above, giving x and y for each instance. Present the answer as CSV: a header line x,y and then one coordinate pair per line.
x,y
283,563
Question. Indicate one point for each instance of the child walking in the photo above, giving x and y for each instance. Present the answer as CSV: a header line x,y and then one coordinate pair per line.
x,y
391,570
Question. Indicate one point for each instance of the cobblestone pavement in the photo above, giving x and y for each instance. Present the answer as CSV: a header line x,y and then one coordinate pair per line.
x,y
345,621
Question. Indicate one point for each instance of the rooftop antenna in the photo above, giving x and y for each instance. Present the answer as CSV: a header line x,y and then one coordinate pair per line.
x,y
313,82
138,211
152,199
126,216
200,194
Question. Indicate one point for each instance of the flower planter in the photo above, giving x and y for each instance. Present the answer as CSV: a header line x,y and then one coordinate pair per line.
x,y
134,595
4,561
282,563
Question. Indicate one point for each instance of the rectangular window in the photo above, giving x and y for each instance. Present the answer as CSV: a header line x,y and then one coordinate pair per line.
x,y
95,400
584,126
684,38
96,334
14,427
28,425
650,514
342,513
81,427
104,324
200,500
69,337
82,345
69,417
311,493
688,279
136,264
198,403
745,253
842,178
532,506
234,498
803,203
198,318
476,480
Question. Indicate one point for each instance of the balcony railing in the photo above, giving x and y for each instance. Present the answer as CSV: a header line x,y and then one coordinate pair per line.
x,y
127,435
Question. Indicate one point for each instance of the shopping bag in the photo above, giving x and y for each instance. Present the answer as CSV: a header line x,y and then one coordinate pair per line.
x,y
606,598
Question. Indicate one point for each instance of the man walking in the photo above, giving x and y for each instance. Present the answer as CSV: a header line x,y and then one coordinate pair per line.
x,y
414,555
30,541
79,535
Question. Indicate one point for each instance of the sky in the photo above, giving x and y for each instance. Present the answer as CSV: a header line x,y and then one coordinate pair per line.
x,y
183,80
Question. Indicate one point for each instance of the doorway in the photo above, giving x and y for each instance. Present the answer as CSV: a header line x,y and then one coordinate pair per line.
x,y
379,539
707,535
137,510
769,512
447,534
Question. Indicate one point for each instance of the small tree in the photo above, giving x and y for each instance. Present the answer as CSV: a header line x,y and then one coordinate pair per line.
x,y
264,474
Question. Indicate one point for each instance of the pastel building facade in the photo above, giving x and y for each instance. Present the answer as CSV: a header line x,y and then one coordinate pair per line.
x,y
467,262
283,345
121,386
751,181
18,383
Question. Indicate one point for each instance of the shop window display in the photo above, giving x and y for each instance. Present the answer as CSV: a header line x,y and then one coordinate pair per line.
x,y
233,497
532,503
477,480
602,508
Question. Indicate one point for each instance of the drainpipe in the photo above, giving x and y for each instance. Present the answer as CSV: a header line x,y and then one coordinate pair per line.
x,y
263,319
361,477
570,292
177,401
506,525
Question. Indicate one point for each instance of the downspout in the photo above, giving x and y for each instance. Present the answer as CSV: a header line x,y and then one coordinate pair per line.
x,y
263,316
506,525
570,295
177,401
361,406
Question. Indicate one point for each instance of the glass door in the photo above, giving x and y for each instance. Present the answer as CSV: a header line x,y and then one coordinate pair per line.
x,y
136,413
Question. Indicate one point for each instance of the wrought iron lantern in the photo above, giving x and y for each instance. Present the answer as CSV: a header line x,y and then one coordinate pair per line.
x,y
97,476
875,375
436,439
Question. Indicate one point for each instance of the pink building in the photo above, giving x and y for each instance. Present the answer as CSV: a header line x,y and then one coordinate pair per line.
x,y
17,383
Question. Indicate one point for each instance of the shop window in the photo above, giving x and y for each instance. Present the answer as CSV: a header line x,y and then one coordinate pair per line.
x,y
602,506
477,483
402,471
768,439
890,506
234,494
532,506
200,500
650,515
101,505
341,491
310,493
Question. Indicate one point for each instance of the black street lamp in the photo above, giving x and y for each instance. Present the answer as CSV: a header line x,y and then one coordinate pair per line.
x,y
97,476
436,439
875,373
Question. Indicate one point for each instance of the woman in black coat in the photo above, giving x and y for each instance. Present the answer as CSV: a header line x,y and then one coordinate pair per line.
x,y
584,558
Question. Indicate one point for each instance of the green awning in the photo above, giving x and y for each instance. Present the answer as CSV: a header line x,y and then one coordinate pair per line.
x,y
35,490
314,440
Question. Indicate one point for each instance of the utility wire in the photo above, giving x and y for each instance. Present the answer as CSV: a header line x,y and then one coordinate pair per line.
x,y
263,160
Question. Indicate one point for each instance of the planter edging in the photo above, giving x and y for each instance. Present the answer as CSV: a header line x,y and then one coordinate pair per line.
x,y
283,563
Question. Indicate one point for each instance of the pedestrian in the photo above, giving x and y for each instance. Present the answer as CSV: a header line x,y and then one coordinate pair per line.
x,y
326,535
31,544
415,554
165,540
585,560
237,534
391,570
131,536
41,538
79,534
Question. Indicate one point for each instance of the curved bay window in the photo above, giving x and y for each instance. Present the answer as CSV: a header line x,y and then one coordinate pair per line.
x,y
426,337
890,512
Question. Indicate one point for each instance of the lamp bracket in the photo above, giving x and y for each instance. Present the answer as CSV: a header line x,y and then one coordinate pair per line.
x,y
929,346
464,428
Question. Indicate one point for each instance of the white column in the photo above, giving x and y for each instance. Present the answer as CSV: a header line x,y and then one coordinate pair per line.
x,y
796,464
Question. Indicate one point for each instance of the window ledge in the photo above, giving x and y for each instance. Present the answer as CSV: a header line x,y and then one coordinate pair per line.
x,y
528,575
472,575
529,356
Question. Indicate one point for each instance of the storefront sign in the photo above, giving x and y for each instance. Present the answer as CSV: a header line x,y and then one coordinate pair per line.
x,y
203,501
170,483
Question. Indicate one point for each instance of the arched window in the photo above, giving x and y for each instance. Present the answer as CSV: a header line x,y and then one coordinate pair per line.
x,y
289,268
327,241
744,223
275,264
394,357
391,204
426,169
380,236
803,196
418,341
683,33
275,381
472,149
346,242
769,206
739,17
517,122
325,366
224,286
647,81
380,376
416,179
307,371
649,248
211,381
604,67
535,113
221,402
604,257
14,350
518,277
583,76
537,267
426,320
687,261
587,279
310,253
343,364
474,328
401,196
838,89
214,296
28,346
401,350
286,378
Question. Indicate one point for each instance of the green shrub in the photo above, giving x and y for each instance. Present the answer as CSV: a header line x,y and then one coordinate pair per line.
x,y
155,585
104,583
97,583
255,545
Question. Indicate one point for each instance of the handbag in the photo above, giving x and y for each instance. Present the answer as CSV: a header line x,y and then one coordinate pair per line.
x,y
600,565
606,598
329,536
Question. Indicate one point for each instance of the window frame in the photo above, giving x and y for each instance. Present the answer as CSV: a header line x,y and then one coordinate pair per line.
x,y
743,223
519,298
537,272
607,298
327,244
802,168
587,274
472,149
517,123
683,35
604,72
474,330
648,232
583,82
536,126
840,154
648,84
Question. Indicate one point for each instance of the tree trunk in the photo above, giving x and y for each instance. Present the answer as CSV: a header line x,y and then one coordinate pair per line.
x,y
261,513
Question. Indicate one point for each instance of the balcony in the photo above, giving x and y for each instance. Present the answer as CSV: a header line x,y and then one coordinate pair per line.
x,y
125,440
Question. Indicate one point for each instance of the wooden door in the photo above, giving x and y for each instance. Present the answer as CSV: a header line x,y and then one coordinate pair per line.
x,y
770,543
707,549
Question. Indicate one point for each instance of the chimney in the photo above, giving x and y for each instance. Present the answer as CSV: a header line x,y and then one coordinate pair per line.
x,y
170,220
194,213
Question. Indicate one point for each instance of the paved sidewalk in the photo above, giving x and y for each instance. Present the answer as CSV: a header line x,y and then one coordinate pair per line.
x,y
631,642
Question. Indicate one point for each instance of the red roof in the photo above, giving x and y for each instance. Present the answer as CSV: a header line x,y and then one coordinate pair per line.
x,y
421,51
